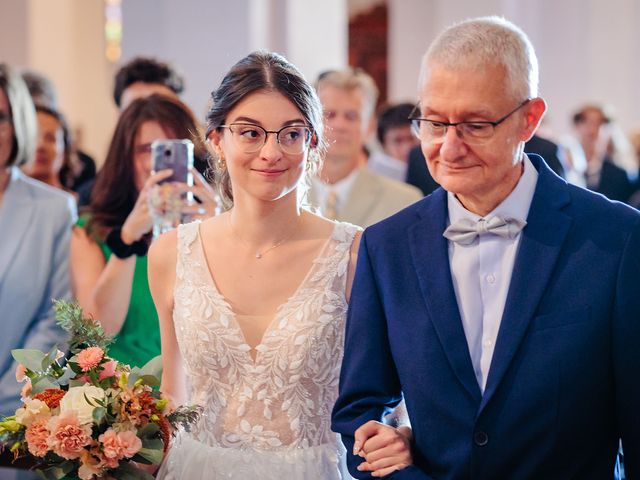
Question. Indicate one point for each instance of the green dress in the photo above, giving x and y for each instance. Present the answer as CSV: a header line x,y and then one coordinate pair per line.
x,y
139,338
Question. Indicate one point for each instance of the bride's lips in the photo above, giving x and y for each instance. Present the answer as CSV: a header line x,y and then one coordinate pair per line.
x,y
268,172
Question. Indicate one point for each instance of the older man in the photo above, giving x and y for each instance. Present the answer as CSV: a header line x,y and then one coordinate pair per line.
x,y
505,306
345,189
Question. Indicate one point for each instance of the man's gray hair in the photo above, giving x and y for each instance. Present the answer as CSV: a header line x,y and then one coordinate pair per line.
x,y
352,79
488,41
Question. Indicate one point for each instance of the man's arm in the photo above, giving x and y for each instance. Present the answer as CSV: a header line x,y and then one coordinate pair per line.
x,y
626,351
369,384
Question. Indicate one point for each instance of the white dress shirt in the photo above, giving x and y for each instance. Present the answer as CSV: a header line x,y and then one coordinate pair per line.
x,y
341,188
482,272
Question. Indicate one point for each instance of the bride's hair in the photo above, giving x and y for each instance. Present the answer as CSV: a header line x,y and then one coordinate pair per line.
x,y
258,71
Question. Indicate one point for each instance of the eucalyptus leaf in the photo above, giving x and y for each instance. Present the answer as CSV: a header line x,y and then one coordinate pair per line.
x,y
29,357
56,472
152,455
127,471
43,384
150,430
66,376
49,358
99,414
152,444
153,367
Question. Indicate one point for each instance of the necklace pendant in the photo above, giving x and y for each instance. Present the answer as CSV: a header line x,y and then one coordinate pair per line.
x,y
258,255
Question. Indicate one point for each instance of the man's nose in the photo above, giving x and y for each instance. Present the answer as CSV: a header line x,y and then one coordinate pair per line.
x,y
452,146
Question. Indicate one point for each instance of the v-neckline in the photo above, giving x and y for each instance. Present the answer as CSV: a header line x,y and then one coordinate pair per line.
x,y
270,326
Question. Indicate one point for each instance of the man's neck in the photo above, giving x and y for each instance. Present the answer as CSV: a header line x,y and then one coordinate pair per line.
x,y
336,169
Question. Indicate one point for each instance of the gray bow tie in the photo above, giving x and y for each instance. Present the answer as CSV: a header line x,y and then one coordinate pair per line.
x,y
465,231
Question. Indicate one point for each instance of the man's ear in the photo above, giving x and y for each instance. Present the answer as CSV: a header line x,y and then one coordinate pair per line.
x,y
533,113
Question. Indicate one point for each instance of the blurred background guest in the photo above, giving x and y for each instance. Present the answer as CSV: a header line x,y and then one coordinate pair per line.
x,y
108,248
51,163
345,189
144,76
78,167
593,126
35,221
394,135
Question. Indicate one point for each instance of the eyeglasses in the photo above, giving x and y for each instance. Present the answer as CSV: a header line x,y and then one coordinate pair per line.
x,y
433,131
293,139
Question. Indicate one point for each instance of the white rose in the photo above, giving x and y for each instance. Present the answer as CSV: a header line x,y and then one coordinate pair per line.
x,y
33,410
75,400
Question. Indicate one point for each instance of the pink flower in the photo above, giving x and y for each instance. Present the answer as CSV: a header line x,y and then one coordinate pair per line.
x,y
36,436
108,369
130,443
68,435
89,358
26,390
119,445
90,466
21,372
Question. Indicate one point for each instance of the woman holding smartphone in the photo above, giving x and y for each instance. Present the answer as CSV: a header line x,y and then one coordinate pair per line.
x,y
252,302
110,241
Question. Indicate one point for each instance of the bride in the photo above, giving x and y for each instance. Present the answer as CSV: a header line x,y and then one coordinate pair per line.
x,y
252,302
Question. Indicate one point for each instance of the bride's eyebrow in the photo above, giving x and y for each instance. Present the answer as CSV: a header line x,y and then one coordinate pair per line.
x,y
253,121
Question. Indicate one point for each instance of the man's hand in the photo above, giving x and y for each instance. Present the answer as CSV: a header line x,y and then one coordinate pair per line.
x,y
384,448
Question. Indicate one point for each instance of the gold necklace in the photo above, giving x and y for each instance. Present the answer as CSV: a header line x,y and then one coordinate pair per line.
x,y
259,254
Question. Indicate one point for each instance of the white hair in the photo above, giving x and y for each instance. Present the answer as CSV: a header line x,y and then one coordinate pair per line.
x,y
352,79
487,41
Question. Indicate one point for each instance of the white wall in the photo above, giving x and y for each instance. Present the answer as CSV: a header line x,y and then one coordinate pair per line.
x,y
588,49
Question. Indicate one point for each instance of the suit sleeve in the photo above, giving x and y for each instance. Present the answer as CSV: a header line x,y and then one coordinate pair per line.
x,y
626,348
369,384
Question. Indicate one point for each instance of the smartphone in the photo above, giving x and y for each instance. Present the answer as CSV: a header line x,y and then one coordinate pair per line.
x,y
176,155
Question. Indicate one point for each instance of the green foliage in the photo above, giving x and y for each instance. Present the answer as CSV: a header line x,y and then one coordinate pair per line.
x,y
149,374
58,471
84,332
127,471
185,416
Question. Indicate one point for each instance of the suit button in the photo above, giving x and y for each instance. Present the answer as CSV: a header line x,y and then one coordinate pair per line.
x,y
480,438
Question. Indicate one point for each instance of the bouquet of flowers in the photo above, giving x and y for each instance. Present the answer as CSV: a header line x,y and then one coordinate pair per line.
x,y
90,416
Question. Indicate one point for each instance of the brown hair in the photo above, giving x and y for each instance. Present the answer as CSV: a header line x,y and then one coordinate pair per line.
x,y
115,193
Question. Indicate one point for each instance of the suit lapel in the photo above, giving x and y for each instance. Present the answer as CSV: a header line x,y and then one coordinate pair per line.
x,y
541,243
434,277
362,198
15,217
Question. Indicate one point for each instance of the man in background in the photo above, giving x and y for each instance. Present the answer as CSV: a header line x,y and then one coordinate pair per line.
x,y
345,189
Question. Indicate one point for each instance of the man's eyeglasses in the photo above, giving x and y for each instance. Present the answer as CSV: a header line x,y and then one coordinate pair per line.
x,y
433,131
293,139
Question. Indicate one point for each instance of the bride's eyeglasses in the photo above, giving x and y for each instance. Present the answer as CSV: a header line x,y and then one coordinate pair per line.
x,y
293,139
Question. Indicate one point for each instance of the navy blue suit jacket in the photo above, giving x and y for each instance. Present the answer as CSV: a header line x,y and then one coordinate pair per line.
x,y
564,382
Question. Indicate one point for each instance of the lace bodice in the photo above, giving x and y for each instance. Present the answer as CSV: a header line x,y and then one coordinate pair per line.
x,y
283,399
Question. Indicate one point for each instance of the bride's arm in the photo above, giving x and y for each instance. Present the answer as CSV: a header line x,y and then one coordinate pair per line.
x,y
162,275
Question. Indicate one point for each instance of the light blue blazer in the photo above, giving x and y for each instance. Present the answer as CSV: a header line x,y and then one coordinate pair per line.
x,y
35,231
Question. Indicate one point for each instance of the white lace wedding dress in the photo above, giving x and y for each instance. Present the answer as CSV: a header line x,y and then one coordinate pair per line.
x,y
268,418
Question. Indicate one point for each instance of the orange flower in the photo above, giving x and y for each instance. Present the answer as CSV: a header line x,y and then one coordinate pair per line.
x,y
36,436
90,358
51,396
68,436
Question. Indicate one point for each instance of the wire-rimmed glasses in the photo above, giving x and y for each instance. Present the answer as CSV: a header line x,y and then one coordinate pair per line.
x,y
293,139
434,131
